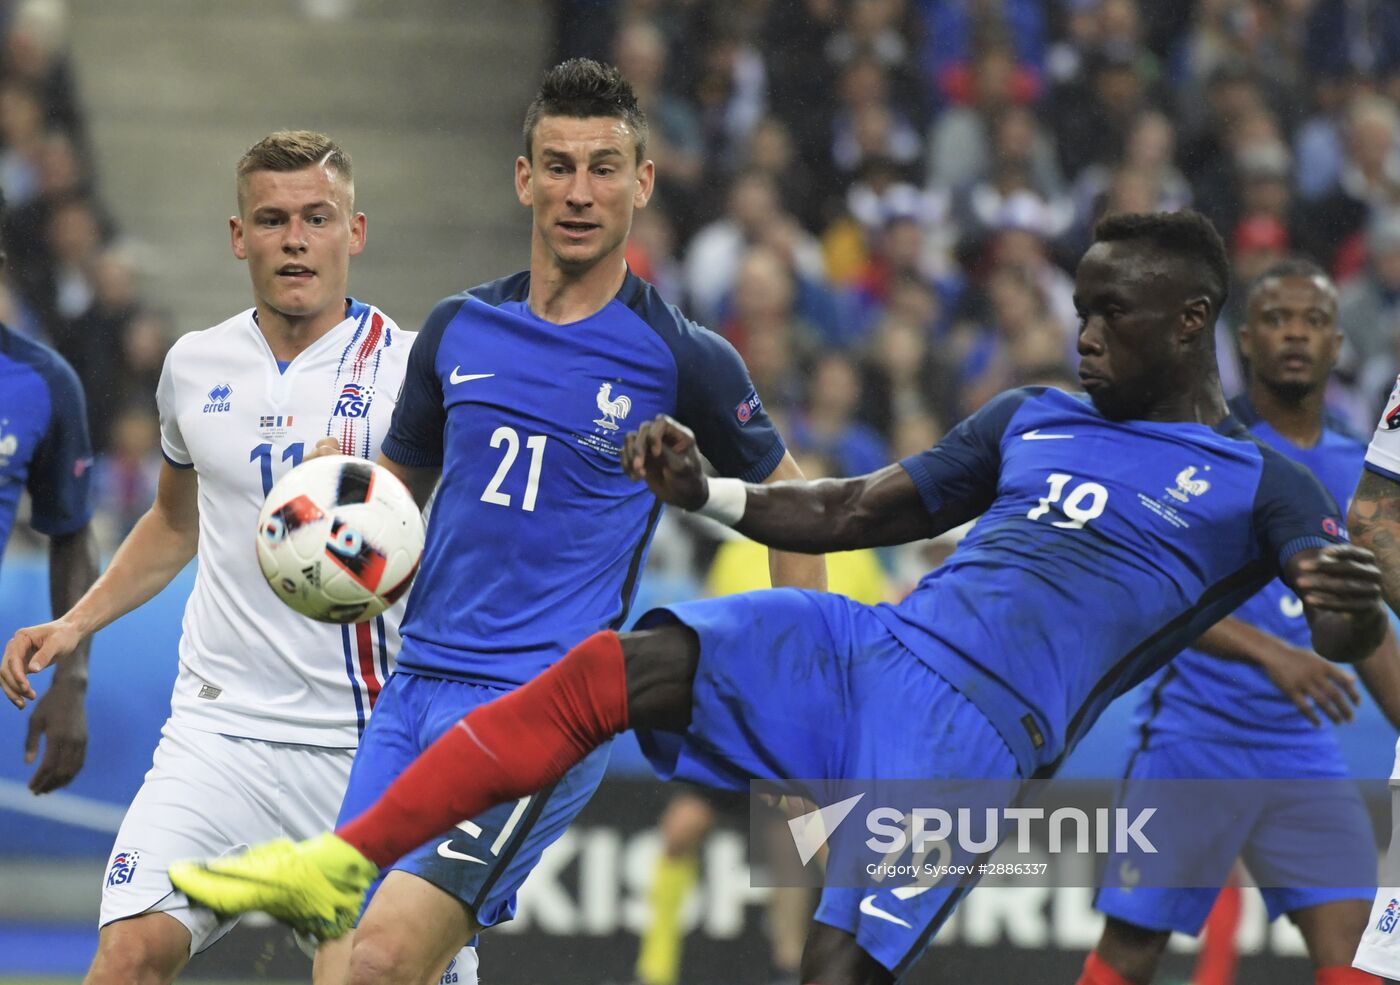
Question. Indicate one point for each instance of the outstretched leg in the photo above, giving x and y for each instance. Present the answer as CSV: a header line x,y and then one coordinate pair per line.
x,y
527,739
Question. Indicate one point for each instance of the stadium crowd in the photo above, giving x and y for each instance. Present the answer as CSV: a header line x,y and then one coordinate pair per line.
x,y
69,280
877,201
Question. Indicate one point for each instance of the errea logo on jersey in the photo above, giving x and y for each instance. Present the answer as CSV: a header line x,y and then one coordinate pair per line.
x,y
218,400
353,401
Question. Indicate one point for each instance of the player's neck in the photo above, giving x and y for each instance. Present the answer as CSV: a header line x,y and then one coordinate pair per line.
x,y
561,294
288,335
1300,421
1200,402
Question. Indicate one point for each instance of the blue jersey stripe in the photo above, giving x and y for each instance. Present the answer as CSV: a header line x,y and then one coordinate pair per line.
x,y
355,685
383,650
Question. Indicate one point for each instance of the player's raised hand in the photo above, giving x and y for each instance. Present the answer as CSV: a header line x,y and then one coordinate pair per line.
x,y
60,718
1312,682
323,447
664,453
29,651
1340,577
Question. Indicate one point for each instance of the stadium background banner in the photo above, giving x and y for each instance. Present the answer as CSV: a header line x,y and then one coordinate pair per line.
x,y
585,905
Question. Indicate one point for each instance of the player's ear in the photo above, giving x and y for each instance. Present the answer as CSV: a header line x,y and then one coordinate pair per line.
x,y
358,227
1195,319
235,233
1246,342
524,190
646,180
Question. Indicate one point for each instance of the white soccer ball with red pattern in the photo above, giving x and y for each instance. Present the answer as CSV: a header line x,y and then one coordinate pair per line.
x,y
339,539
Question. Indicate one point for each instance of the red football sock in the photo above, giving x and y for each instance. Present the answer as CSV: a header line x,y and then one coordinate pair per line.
x,y
1344,975
518,744
1220,955
1097,972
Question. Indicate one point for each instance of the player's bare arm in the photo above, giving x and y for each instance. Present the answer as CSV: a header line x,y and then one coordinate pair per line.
x,y
786,568
59,718
1312,683
159,546
420,480
873,510
1374,522
1380,672
1340,588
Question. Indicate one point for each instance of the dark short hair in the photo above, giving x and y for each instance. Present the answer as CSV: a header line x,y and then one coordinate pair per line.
x,y
581,87
1186,235
1294,266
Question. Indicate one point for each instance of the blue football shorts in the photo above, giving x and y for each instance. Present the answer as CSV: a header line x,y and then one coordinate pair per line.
x,y
484,860
795,684
1274,828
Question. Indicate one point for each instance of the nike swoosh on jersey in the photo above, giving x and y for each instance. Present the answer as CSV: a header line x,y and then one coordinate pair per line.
x,y
447,851
459,377
868,907
1035,435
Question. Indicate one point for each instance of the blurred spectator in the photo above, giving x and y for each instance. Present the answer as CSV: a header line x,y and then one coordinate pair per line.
x,y
762,309
1352,38
1258,242
34,55
867,125
772,152
879,30
1019,339
1368,310
827,423
1092,119
1148,163
22,136
651,251
752,214
127,472
1369,181
731,94
903,379
94,341
674,140
954,30
960,141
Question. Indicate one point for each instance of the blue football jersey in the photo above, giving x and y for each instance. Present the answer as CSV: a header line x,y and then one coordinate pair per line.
x,y
536,538
1201,696
1103,548
44,443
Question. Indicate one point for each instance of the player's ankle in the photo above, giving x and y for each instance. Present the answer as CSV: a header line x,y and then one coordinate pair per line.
x,y
1097,971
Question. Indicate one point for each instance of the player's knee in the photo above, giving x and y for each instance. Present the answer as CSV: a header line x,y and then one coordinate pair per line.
x,y
832,957
380,957
660,666
1130,950
148,950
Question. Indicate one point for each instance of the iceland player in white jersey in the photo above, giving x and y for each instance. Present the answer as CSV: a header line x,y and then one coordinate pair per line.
x,y
1374,519
268,705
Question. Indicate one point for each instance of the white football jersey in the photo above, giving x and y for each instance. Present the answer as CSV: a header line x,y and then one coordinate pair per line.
x,y
249,665
1384,451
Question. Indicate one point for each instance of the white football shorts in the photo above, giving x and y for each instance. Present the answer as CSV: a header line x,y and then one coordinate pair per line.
x,y
1379,950
208,794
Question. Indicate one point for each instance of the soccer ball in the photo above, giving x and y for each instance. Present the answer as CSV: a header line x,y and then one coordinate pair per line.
x,y
339,539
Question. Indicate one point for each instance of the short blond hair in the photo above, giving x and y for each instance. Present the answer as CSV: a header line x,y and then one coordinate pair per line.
x,y
292,150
